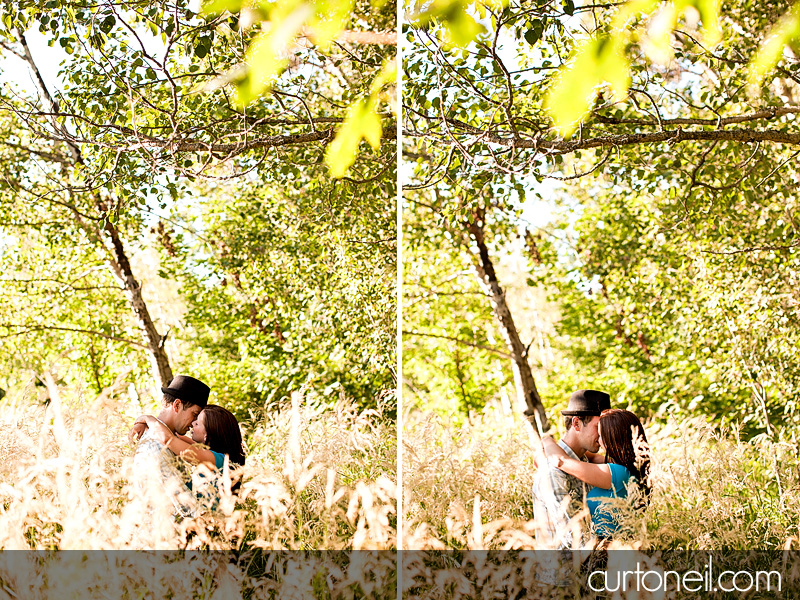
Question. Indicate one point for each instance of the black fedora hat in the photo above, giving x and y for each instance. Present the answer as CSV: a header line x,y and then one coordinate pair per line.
x,y
587,403
188,389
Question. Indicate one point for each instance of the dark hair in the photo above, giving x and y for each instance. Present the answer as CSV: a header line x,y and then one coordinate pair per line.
x,y
222,433
618,428
169,399
584,420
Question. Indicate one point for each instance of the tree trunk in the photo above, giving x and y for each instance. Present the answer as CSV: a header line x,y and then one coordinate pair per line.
x,y
523,376
159,362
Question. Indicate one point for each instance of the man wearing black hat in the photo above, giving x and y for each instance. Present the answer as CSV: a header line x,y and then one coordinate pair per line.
x,y
183,400
557,496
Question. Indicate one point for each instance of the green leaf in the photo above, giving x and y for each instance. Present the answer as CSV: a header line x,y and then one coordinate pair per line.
x,y
330,18
107,24
362,122
264,56
461,27
597,61
534,34
202,47
215,7
709,15
387,76
772,49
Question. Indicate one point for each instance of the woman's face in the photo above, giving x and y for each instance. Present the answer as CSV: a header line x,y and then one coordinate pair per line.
x,y
199,429
599,432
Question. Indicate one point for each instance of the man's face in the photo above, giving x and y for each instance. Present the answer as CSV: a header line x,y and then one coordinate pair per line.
x,y
186,415
590,435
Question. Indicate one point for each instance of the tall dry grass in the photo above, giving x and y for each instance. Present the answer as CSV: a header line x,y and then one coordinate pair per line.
x,y
470,487
468,510
314,479
315,516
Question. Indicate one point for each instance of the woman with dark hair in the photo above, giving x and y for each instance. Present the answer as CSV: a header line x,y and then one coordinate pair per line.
x,y
627,456
218,429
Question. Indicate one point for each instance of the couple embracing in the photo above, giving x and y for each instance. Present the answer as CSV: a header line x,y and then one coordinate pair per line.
x,y
215,438
575,475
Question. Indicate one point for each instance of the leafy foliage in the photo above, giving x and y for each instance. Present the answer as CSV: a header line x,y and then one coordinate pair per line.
x,y
132,156
281,296
321,21
670,245
453,360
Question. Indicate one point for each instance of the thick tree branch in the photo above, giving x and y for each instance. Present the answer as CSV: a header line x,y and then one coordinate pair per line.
x,y
192,145
748,136
119,262
155,342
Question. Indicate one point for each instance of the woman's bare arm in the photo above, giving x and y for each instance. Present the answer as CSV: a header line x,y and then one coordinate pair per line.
x,y
545,439
551,447
191,451
596,458
594,475
178,443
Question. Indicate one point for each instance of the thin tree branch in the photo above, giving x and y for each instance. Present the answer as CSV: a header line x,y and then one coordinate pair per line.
x,y
351,36
51,104
752,249
769,113
460,341
190,145
31,328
